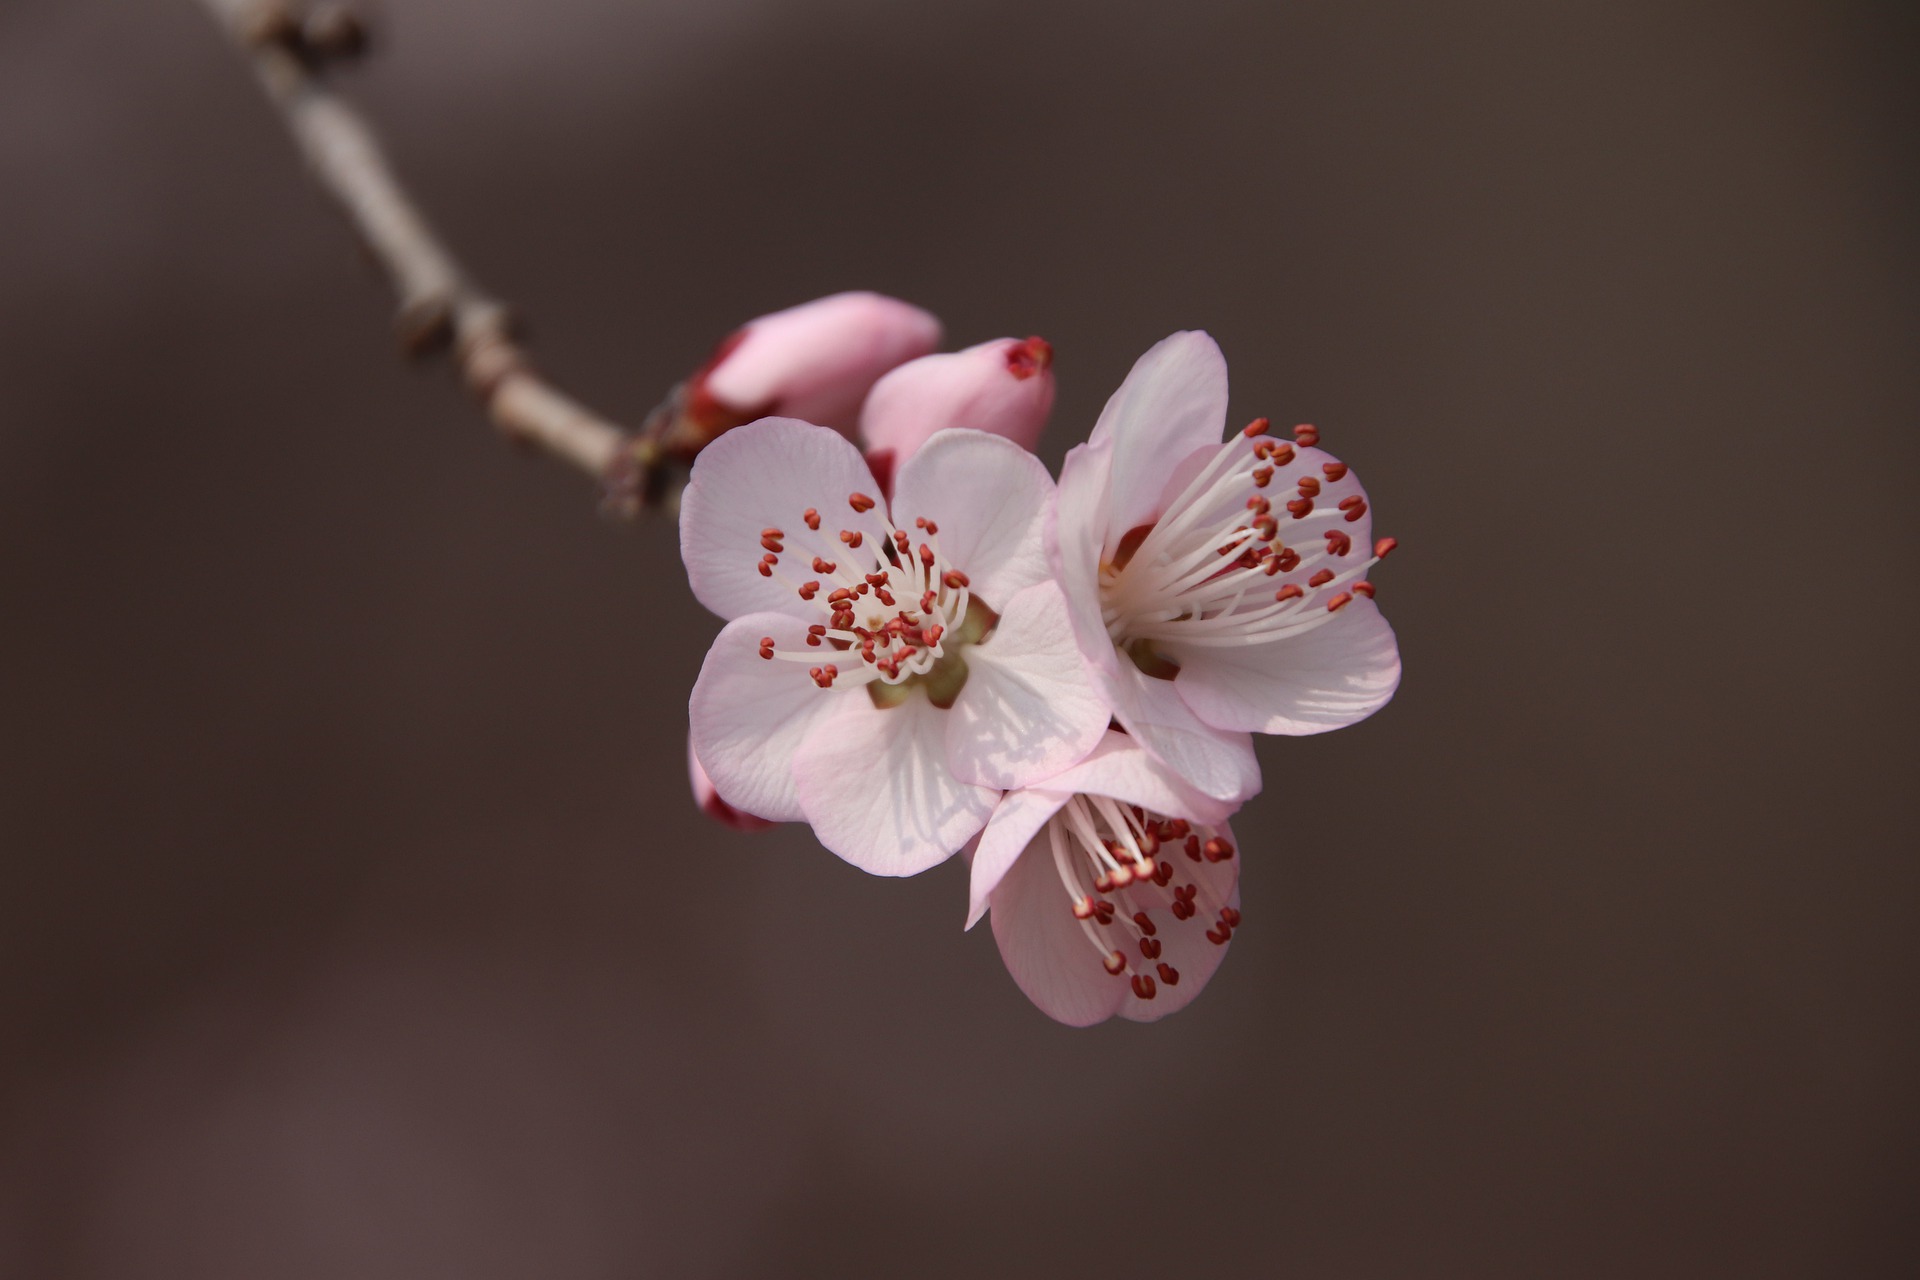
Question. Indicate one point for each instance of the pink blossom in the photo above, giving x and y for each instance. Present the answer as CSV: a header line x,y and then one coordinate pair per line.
x,y
710,802
1004,387
816,361
888,667
1114,887
1218,588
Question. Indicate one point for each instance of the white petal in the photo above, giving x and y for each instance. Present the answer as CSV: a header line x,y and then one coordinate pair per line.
x,y
1124,770
1173,402
765,475
1015,820
1076,528
1335,675
877,789
1045,948
1030,707
748,715
989,498
1217,762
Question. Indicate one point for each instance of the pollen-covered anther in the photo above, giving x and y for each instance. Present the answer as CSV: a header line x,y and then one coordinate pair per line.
x,y
930,635
1338,543
1145,922
1230,917
1143,986
1355,511
1217,850
1219,937
921,522
1259,504
1168,974
1115,962
1309,487
1307,435
808,590
1364,588
1321,579
1083,907
1340,602
766,647
1288,592
1150,948
1258,427
860,502
1262,477
1334,471
1300,508
953,579
852,537
811,518
1383,547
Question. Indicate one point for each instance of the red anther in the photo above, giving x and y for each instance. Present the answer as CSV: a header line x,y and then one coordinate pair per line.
x,y
851,537
926,557
766,647
1260,504
1218,937
1192,847
930,636
1122,876
1025,359
1187,893
1103,912
1150,948
1115,963
1267,527
1083,908
1168,974
817,629
808,590
1334,470
1309,487
927,601
766,569
1307,434
772,544
1299,507
902,654
817,673
812,518
861,588
1262,476
1149,843
1282,454
1230,917
877,579
1103,883
1176,829
1288,592
860,502
1145,869
1145,922
1263,449
839,595
1363,589
771,532
955,579
1382,547
1354,513
1338,543
1258,427
1340,602
1321,578
823,566
1162,873
1351,501
1182,909
1289,560
921,522
1143,986
1218,850
884,596
831,671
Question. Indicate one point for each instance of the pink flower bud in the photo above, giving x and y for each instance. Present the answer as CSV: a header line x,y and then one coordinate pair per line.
x,y
710,802
1004,387
816,361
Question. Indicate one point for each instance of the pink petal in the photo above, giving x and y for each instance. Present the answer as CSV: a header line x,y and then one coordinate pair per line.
x,y
876,787
763,476
708,798
1216,762
1045,948
1030,707
1076,526
749,716
1004,387
818,360
1173,402
1335,675
989,498
1016,819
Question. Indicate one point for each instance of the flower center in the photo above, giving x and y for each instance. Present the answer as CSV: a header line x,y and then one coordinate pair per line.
x,y
1108,858
894,614
1213,570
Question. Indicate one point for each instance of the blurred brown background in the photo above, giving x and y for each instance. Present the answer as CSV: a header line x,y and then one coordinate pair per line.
x,y
355,922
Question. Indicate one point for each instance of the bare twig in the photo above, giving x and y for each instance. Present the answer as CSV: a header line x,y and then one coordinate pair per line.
x,y
440,305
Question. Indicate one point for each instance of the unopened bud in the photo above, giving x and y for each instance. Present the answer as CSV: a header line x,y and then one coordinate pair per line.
x,y
1004,387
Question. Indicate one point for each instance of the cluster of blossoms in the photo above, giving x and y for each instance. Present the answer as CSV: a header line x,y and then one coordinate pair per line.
x,y
931,647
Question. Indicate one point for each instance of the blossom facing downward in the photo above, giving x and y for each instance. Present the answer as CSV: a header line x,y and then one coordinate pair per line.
x,y
816,361
1218,588
1004,387
1114,888
888,667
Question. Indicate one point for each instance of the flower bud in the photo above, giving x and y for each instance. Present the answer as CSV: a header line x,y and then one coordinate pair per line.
x,y
1004,386
710,802
816,361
